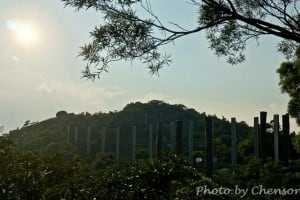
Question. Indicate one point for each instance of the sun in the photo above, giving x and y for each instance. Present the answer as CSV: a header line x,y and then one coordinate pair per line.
x,y
25,33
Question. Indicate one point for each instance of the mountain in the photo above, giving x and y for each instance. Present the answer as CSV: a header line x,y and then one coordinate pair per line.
x,y
69,132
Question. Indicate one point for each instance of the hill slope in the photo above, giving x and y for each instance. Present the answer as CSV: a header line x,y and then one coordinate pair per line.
x,y
68,132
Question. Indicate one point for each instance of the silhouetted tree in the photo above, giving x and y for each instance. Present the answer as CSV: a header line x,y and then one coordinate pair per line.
x,y
229,25
61,113
1,129
289,73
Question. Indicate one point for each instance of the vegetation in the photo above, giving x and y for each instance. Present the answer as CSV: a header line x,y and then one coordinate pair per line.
x,y
33,176
1,129
51,135
131,30
289,73
39,162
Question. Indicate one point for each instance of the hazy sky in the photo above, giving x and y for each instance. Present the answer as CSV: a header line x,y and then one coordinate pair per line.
x,y
40,71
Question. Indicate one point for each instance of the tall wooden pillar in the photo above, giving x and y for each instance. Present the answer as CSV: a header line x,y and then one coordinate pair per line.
x,y
178,137
233,142
76,134
134,143
118,145
172,136
285,137
256,137
191,141
150,144
88,141
263,135
276,134
103,135
159,140
208,147
69,134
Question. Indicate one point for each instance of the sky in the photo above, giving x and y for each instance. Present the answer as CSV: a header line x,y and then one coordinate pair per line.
x,y
40,72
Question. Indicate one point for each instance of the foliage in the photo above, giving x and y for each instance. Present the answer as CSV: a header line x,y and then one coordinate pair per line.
x,y
51,136
28,175
168,178
61,113
1,129
289,73
245,147
272,174
222,151
131,30
249,172
27,123
31,175
296,143
44,164
102,161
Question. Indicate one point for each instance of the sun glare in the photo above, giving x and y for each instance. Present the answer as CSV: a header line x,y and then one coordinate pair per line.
x,y
25,33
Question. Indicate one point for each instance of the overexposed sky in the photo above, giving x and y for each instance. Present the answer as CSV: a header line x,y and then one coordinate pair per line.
x,y
40,72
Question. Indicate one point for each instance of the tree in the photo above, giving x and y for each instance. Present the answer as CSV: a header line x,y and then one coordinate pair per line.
x,y
61,114
1,129
27,123
296,143
170,177
129,34
289,73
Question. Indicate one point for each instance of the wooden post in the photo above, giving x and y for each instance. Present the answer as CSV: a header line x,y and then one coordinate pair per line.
x,y
178,137
134,143
159,140
276,133
69,134
88,141
256,137
172,136
208,147
103,141
118,145
150,142
146,121
76,134
285,135
233,142
263,135
191,140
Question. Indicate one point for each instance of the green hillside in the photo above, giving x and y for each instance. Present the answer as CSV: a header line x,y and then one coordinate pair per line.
x,y
52,134
51,160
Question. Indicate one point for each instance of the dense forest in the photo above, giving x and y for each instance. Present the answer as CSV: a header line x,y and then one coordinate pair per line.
x,y
64,157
